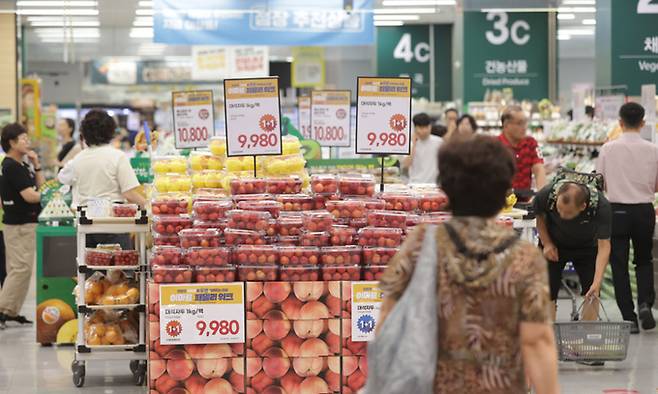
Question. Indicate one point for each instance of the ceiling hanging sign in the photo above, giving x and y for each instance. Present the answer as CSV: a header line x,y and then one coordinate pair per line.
x,y
263,22
250,62
209,62
478,5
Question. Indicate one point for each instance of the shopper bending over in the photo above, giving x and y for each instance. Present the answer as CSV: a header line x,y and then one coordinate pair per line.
x,y
19,183
101,171
529,160
423,160
630,167
494,317
573,221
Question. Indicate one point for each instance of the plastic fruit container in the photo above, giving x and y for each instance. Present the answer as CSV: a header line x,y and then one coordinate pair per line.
x,y
219,225
298,273
251,197
287,240
243,237
98,257
171,224
258,273
169,164
296,202
358,223
380,236
201,161
166,240
341,255
125,258
285,185
166,255
172,273
169,205
432,201
207,256
217,146
271,229
194,237
373,272
400,201
348,209
391,219
324,184
340,235
363,185
271,206
299,255
315,221
377,255
211,210
289,225
248,220
413,220
248,186
214,274
314,239
256,255
321,200
124,210
172,183
208,179
341,272
372,204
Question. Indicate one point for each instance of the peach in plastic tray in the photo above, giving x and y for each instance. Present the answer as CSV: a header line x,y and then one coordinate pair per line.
x,y
391,219
225,273
341,272
324,184
208,256
380,236
211,210
297,273
348,209
318,239
377,255
171,273
248,186
171,224
286,185
248,220
194,237
299,255
296,202
258,273
316,221
256,255
342,235
244,237
341,255
166,255
271,206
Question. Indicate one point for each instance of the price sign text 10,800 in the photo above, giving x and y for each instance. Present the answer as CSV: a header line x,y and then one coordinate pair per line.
x,y
387,139
214,327
193,134
255,140
329,133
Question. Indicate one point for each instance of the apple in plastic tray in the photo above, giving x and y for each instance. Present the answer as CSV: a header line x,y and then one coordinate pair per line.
x,y
391,219
260,273
98,257
208,256
256,255
166,240
299,273
341,272
296,202
169,206
356,186
432,202
125,258
348,209
373,272
248,186
271,206
341,255
377,255
248,220
172,274
318,239
317,221
324,184
380,236
124,210
211,210
299,255
289,225
214,274
166,255
400,202
171,224
342,235
288,185
244,237
205,238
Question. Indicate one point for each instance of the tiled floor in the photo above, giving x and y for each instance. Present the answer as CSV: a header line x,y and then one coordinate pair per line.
x,y
26,367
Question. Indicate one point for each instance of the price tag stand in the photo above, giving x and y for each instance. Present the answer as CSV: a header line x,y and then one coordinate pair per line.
x,y
194,120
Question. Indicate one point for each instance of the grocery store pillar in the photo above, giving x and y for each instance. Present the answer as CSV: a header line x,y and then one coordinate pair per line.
x,y
8,61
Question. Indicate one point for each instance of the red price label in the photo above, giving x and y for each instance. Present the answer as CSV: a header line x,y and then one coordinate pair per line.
x,y
258,140
387,139
192,134
329,133
215,327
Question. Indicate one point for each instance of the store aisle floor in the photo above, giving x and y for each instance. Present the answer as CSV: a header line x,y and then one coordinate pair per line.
x,y
27,368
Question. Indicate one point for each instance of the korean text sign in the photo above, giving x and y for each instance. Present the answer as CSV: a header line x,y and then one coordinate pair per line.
x,y
330,117
194,120
367,300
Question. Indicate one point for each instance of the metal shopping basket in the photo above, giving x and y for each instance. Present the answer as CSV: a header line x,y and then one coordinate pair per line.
x,y
592,340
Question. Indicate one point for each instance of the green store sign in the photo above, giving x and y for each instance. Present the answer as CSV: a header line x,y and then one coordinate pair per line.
x,y
634,31
506,50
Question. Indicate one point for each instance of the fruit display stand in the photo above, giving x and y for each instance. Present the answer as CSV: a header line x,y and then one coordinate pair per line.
x,y
117,309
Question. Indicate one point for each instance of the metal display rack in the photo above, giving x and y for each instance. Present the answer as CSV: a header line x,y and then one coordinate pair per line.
x,y
135,353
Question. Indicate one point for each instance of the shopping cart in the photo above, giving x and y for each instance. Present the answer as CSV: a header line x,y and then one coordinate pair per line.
x,y
590,341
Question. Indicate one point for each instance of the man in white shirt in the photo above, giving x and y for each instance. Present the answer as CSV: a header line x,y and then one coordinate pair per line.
x,y
423,162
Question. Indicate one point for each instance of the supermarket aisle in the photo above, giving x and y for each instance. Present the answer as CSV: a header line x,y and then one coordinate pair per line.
x,y
27,368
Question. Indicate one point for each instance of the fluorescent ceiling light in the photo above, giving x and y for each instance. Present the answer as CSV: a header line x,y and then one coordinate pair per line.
x,y
143,21
62,23
413,3
55,11
144,12
566,17
141,32
396,17
579,2
49,32
145,3
589,21
576,32
405,10
564,37
59,18
577,10
56,3
389,23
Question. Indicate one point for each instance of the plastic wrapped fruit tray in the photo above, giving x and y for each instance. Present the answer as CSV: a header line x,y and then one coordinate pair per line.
x,y
317,221
341,272
169,205
432,201
125,258
372,204
287,240
342,235
171,224
348,209
98,257
289,225
205,238
298,255
296,202
124,210
318,239
172,273
258,273
166,255
271,206
377,255
165,240
356,185
219,225
248,186
373,272
285,185
341,255
400,201
256,255
234,237
225,273
208,256
380,236
324,184
391,219
209,210
297,273
248,220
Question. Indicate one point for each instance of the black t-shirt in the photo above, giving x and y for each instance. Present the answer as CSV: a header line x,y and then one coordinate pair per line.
x,y
580,233
66,148
15,178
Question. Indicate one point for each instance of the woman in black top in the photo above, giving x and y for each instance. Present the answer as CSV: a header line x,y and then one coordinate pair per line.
x,y
65,130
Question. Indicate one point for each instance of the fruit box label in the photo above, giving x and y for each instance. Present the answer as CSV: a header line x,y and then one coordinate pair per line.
x,y
366,305
202,314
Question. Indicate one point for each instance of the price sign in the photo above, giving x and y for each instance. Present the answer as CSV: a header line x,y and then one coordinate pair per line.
x,y
253,116
383,114
304,114
201,314
607,107
330,117
366,305
194,120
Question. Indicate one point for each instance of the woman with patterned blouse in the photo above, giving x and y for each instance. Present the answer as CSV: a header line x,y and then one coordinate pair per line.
x,y
494,314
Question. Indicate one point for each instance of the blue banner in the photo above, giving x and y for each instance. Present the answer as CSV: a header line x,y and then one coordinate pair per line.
x,y
263,22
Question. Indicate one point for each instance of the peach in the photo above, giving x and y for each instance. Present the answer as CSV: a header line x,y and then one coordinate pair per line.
x,y
154,356
313,384
357,348
308,366
350,364
165,383
220,350
261,343
195,351
154,293
162,350
156,368
237,348
237,381
363,365
276,327
309,291
154,331
277,292
334,364
335,327
254,290
153,318
334,288
334,304
180,369
309,328
291,307
178,390
275,363
314,347
291,382
195,384
218,386
213,368
261,381
291,345
254,327
313,310
356,381
274,390
178,354
333,381
261,306
333,341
